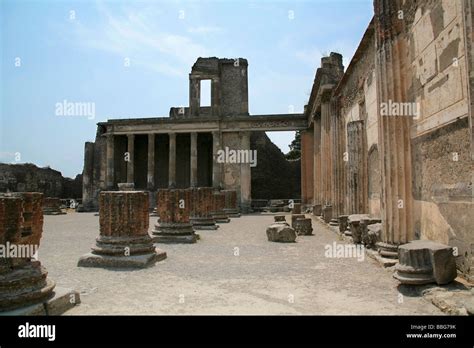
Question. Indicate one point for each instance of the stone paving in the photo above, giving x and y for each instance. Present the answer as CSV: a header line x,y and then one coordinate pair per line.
x,y
233,270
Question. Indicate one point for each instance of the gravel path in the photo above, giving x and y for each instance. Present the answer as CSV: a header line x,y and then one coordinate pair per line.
x,y
214,277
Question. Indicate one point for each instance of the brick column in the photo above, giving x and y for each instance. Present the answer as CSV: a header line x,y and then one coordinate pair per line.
x,y
218,212
245,176
123,240
201,212
174,208
23,281
216,167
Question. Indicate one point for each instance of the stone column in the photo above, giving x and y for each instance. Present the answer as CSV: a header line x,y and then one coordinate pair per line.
x,y
317,194
194,156
218,212
393,64
52,206
358,176
151,162
88,175
123,239
110,161
174,207
194,96
201,212
172,161
245,176
131,158
231,204
23,280
216,167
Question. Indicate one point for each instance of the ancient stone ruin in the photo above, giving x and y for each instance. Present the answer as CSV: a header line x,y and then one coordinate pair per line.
x,y
174,208
201,214
52,206
231,205
24,282
218,208
123,241
424,262
281,233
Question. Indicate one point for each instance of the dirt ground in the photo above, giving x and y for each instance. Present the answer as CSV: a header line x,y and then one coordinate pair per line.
x,y
233,270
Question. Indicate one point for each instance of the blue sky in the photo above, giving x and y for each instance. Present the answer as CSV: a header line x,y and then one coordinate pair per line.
x,y
79,51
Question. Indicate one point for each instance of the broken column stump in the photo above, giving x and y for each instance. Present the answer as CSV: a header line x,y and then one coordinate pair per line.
x,y
202,206
52,206
424,262
327,213
371,234
294,217
123,241
296,208
317,210
218,212
355,226
303,227
281,233
343,223
231,207
23,280
174,208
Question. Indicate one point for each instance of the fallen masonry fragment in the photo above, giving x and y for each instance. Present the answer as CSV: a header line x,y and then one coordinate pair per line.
x,y
280,232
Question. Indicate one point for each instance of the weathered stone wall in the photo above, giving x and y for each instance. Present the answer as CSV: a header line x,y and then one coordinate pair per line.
x,y
30,178
274,177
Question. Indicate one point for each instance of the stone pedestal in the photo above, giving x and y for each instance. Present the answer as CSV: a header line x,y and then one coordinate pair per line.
x,y
231,204
218,212
23,280
294,217
52,206
126,186
303,227
281,232
296,208
317,210
123,241
424,261
343,223
387,250
174,209
327,213
202,207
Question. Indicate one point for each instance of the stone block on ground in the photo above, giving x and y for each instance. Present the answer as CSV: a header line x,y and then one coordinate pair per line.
x,y
424,262
303,227
281,233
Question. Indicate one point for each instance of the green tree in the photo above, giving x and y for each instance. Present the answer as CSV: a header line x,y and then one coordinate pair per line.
x,y
295,148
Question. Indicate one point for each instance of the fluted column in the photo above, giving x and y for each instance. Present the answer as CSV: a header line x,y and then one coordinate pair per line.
x,y
393,64
317,195
110,161
172,161
194,155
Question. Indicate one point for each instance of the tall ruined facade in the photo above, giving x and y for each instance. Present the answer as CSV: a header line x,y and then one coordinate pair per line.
x,y
182,150
392,136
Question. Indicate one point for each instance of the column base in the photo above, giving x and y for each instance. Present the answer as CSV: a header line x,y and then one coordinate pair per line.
x,y
232,213
220,217
200,223
386,250
115,261
24,286
174,233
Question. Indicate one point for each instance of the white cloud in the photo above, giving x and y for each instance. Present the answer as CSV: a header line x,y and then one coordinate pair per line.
x,y
136,35
204,30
